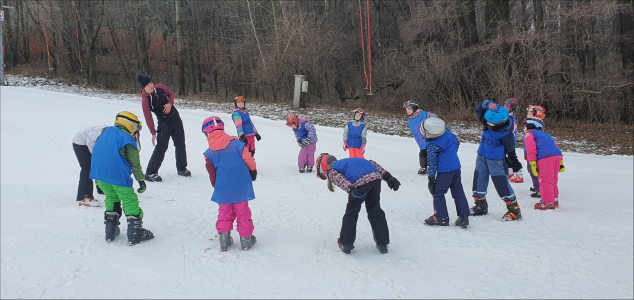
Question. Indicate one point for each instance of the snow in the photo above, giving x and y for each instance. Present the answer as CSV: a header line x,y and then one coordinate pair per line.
x,y
50,248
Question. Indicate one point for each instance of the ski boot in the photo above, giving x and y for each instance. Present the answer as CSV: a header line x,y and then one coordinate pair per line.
x,y
136,232
532,189
536,195
382,248
463,222
184,172
247,241
153,177
435,221
543,206
309,169
516,178
89,202
513,213
346,248
225,240
112,225
481,206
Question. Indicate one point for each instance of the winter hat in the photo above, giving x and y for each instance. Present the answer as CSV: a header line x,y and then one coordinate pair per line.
x,y
212,124
361,111
410,104
511,104
144,80
534,123
496,114
129,121
322,162
239,99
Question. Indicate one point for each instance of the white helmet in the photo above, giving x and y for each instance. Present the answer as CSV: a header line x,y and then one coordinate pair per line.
x,y
433,128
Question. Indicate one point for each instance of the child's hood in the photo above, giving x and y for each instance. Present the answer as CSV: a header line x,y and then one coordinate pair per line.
x,y
219,140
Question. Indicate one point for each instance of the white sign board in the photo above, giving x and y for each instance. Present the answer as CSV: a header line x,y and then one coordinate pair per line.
x,y
2,15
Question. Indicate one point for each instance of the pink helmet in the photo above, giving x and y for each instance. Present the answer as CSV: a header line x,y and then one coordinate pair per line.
x,y
212,123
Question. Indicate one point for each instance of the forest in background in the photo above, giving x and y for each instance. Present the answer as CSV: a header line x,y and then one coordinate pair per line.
x,y
575,58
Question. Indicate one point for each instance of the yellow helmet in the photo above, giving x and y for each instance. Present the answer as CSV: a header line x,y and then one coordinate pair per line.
x,y
129,121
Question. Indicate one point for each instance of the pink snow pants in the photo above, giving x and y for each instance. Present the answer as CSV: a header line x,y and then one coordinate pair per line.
x,y
227,213
307,156
548,176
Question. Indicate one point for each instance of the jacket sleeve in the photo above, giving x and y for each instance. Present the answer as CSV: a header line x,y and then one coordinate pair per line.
x,y
312,133
345,132
364,133
248,159
339,180
381,170
237,119
531,147
211,170
147,113
480,110
432,159
131,154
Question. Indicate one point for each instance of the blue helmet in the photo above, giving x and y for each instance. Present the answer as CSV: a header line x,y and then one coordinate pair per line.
x,y
496,114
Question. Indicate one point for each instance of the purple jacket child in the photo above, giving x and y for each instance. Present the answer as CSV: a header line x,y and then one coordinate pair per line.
x,y
306,137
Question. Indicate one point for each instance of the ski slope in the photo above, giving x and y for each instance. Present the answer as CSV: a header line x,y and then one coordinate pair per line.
x,y
50,248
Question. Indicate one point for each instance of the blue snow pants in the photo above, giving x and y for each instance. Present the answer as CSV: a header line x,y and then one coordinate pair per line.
x,y
498,171
445,182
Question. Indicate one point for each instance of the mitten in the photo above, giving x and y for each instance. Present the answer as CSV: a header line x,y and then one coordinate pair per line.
x,y
362,148
142,187
258,137
562,168
393,183
306,141
243,138
254,174
345,145
485,103
534,168
431,185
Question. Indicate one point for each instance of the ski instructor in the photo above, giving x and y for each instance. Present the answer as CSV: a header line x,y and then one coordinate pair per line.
x,y
158,99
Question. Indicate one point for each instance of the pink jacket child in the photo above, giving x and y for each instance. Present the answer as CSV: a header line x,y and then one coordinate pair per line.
x,y
231,172
545,160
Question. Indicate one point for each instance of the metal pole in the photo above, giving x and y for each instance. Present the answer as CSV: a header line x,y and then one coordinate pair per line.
x,y
1,52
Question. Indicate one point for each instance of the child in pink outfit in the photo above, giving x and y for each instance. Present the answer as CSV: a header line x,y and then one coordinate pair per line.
x,y
231,171
545,160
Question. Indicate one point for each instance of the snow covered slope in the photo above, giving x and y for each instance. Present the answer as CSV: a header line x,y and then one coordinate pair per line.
x,y
50,248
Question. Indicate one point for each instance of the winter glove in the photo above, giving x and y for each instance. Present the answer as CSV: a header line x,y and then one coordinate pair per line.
x,y
393,183
300,144
345,145
243,138
306,141
254,174
534,168
431,185
485,103
362,148
258,137
562,168
142,187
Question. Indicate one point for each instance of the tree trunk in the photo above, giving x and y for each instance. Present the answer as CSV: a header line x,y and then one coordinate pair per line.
x,y
180,49
625,32
467,21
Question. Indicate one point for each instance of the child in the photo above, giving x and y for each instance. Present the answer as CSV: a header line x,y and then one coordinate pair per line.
x,y
354,135
231,170
538,112
114,158
306,137
496,144
361,179
442,156
516,176
247,132
158,99
83,143
416,118
546,161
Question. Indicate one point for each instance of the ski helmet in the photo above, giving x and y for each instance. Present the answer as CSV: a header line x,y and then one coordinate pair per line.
x,y
410,104
496,114
536,111
239,99
292,119
212,124
323,162
534,123
433,128
129,121
360,111
511,104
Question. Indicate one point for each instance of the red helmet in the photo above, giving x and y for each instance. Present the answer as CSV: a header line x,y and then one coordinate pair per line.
x,y
322,162
292,119
537,111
